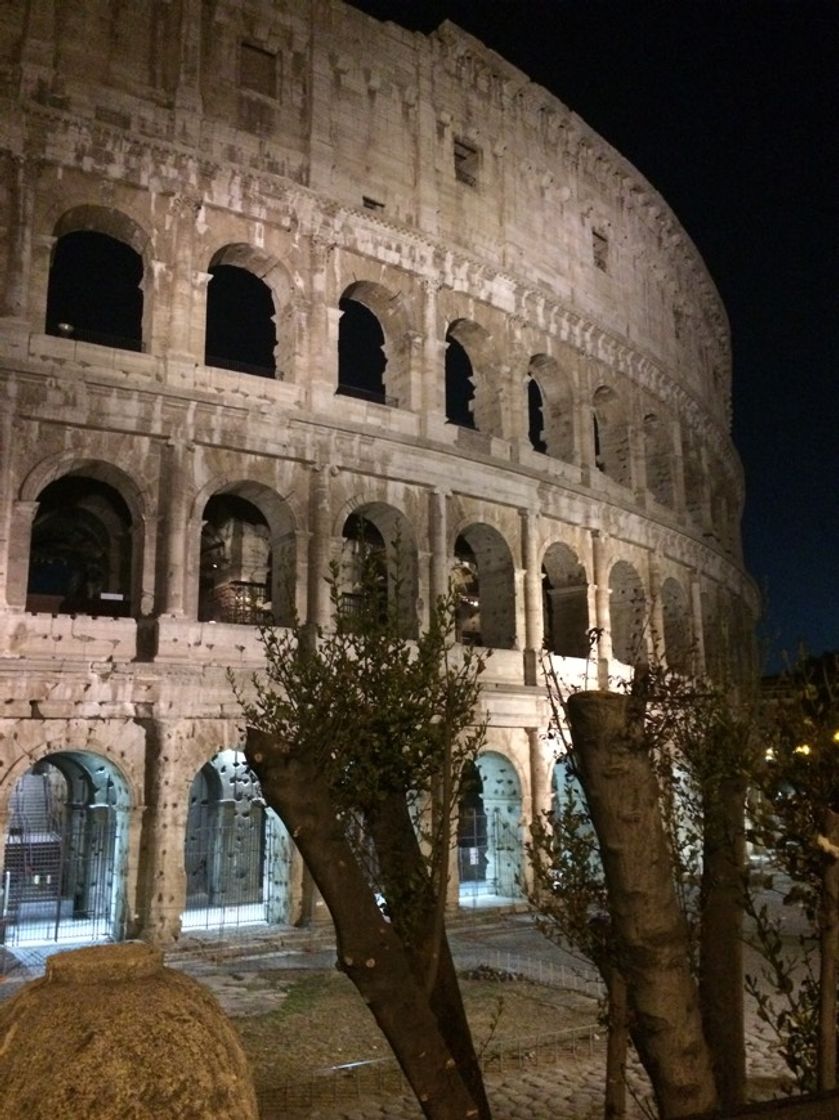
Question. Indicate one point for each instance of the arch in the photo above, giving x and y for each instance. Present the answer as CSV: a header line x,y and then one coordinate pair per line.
x,y
384,532
678,631
269,279
484,583
489,840
535,416
240,332
362,361
557,406
237,852
67,464
627,614
85,548
469,401
103,219
658,459
65,854
246,570
611,436
565,602
96,285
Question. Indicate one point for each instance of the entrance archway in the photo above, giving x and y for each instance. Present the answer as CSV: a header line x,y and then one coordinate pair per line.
x,y
489,841
237,853
65,852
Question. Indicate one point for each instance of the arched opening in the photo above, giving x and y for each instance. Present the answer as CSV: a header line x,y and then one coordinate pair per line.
x,y
65,852
484,586
379,566
557,408
236,575
678,635
361,355
95,290
237,852
535,417
240,333
460,384
658,458
611,436
565,602
627,614
80,559
489,842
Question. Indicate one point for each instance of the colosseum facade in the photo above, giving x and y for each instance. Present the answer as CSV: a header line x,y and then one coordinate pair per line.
x,y
279,278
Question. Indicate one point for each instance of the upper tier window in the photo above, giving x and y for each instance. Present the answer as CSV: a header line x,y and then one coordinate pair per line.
x,y
466,162
257,70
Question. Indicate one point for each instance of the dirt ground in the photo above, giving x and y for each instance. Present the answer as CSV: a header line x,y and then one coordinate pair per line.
x,y
321,1021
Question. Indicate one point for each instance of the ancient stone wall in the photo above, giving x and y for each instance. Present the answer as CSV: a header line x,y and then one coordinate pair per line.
x,y
159,498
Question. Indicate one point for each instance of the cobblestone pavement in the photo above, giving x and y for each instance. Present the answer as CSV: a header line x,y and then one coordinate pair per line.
x,y
571,1088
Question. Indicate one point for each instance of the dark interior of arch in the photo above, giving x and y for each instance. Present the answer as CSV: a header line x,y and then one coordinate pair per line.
x,y
80,552
94,291
236,566
535,417
459,387
240,331
361,359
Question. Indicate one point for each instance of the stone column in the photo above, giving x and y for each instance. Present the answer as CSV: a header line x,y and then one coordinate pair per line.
x,y
432,355
440,561
38,281
162,879
181,554
318,607
17,552
14,295
678,470
656,610
534,622
699,663
540,776
323,326
602,618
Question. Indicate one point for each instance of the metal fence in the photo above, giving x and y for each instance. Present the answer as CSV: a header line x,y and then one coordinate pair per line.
x,y
383,1077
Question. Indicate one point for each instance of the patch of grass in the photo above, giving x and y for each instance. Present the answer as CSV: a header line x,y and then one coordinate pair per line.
x,y
323,1022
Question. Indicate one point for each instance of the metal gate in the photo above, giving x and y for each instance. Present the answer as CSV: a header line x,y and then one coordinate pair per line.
x,y
59,868
236,853
488,853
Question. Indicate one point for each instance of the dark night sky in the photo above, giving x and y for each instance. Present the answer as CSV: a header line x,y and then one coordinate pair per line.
x,y
730,108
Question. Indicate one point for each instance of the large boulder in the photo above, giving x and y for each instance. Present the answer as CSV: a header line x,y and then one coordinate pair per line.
x,y
111,1034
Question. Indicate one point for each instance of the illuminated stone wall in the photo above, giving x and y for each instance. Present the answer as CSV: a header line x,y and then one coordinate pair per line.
x,y
591,483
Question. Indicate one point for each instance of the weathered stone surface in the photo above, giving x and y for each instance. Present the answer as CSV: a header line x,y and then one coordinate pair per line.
x,y
110,1034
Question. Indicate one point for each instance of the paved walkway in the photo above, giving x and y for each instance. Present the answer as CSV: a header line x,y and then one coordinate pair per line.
x,y
571,1088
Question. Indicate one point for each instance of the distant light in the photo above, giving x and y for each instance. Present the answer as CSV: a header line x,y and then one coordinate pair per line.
x,y
803,748
836,736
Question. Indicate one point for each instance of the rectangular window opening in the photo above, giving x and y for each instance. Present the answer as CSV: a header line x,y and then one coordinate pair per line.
x,y
600,249
258,70
466,162
372,203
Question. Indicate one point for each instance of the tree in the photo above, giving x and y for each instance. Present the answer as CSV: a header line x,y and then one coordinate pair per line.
x,y
796,820
683,751
359,738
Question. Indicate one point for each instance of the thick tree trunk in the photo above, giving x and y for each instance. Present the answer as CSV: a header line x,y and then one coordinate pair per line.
x,y
622,793
401,861
829,951
721,936
368,949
